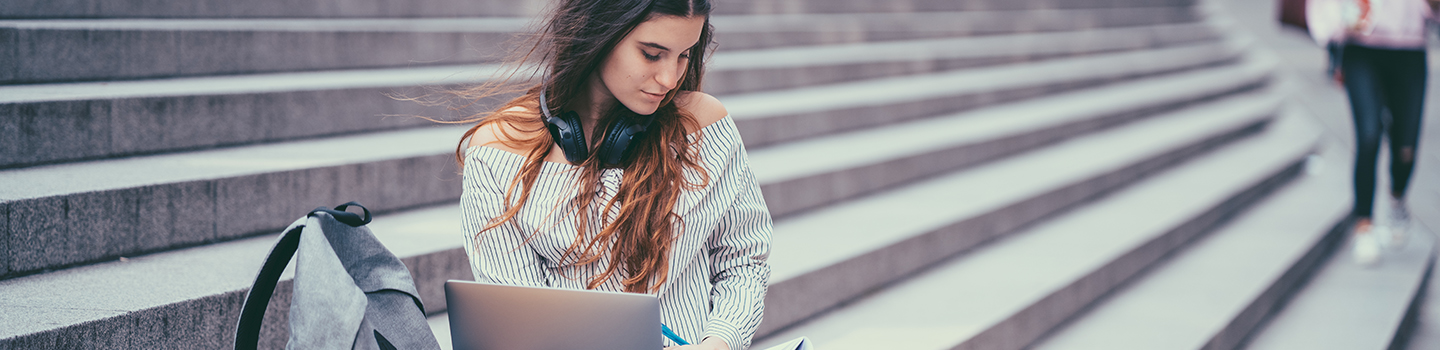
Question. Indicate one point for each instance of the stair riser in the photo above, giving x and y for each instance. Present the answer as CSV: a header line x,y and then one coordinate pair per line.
x,y
205,323
63,131
54,232
460,8
1032,323
805,296
797,195
57,55
789,127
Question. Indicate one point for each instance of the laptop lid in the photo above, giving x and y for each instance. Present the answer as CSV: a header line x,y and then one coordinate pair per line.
x,y
485,316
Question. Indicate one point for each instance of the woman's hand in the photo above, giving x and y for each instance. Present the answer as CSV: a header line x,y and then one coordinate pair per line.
x,y
711,343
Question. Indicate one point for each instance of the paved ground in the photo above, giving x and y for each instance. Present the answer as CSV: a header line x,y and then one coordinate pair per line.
x,y
1302,72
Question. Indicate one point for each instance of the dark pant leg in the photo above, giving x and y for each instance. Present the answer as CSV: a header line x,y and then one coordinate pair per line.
x,y
1403,79
1362,86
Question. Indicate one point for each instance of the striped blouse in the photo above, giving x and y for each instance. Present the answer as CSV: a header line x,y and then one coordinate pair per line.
x,y
718,273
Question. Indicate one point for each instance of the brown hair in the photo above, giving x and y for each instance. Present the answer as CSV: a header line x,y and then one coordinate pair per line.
x,y
570,47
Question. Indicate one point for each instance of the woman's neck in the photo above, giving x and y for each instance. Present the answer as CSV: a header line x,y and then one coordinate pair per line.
x,y
595,101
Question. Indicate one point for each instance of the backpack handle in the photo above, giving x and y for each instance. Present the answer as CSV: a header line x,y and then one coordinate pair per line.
x,y
252,314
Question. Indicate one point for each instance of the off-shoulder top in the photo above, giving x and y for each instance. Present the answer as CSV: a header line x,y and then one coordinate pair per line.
x,y
718,270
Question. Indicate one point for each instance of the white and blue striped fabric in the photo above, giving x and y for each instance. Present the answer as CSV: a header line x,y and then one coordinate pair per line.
x,y
718,270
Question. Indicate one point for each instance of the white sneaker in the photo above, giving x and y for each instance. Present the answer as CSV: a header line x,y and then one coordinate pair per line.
x,y
1399,223
1384,236
1365,248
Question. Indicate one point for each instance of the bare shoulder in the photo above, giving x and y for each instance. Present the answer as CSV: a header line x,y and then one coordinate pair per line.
x,y
705,108
498,135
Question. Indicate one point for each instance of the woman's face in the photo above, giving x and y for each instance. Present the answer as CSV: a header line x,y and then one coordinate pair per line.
x,y
649,62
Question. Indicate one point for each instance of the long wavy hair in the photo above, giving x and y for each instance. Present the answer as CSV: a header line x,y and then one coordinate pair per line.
x,y
566,51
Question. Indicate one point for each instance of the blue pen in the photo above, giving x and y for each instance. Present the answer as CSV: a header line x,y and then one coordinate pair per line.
x,y
671,334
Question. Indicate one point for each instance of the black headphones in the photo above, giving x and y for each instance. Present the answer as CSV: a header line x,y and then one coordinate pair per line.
x,y
614,147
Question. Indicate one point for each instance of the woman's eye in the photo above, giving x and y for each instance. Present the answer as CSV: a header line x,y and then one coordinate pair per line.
x,y
685,56
650,57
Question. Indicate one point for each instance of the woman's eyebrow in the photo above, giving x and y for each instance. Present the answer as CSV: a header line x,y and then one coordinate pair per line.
x,y
654,45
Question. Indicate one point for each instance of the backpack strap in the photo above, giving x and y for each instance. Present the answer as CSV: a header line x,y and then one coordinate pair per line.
x,y
252,314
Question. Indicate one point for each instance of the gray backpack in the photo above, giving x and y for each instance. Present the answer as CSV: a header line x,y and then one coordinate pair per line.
x,y
349,291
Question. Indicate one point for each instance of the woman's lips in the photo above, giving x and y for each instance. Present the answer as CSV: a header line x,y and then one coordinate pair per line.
x,y
656,97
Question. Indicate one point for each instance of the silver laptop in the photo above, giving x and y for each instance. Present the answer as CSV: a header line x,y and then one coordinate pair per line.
x,y
486,316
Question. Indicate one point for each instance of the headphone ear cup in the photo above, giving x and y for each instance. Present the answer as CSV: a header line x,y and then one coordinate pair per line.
x,y
618,141
568,133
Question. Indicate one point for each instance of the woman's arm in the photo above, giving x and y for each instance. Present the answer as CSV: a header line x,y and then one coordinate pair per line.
x,y
499,255
738,250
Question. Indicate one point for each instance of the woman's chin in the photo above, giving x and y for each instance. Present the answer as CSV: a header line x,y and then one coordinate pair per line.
x,y
643,108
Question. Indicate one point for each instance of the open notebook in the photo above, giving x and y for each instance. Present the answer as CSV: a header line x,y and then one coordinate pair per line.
x,y
801,343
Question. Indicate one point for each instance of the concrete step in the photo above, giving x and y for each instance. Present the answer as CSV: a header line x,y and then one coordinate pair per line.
x,y
776,116
78,121
55,123
788,67
800,175
65,50
191,298
205,305
1226,283
1347,306
1005,293
460,8
829,256
68,214
159,202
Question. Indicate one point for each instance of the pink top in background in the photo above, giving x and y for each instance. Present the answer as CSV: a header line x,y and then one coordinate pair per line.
x,y
1394,24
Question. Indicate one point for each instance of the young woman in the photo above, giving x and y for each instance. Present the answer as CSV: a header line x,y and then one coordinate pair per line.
x,y
1383,68
615,173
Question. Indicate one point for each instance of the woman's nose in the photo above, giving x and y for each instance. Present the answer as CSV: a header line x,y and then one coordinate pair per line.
x,y
668,78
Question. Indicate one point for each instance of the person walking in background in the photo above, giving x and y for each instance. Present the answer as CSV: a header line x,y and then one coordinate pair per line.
x,y
1383,68
616,173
